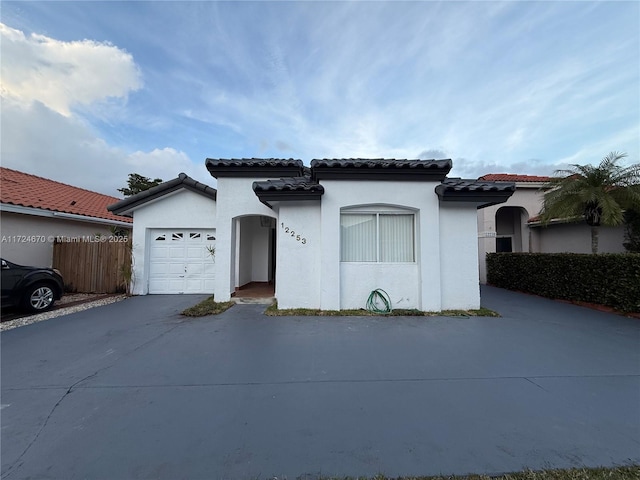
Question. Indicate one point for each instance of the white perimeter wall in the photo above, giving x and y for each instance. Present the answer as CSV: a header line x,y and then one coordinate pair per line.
x,y
40,254
459,256
180,209
298,264
235,198
348,285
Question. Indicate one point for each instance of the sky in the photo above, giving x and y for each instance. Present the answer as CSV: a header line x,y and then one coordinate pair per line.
x,y
92,91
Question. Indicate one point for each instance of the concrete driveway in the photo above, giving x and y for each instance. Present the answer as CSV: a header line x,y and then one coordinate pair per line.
x,y
134,390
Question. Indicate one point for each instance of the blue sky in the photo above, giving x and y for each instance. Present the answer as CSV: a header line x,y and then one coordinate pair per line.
x,y
92,91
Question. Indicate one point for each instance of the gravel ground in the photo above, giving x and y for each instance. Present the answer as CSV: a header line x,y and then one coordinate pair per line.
x,y
77,297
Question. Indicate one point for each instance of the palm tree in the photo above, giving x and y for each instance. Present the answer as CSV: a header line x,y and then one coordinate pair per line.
x,y
598,195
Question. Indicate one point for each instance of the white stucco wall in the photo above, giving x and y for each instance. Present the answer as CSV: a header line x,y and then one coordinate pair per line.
x,y
39,253
254,248
459,256
180,209
576,238
400,281
235,198
298,259
341,284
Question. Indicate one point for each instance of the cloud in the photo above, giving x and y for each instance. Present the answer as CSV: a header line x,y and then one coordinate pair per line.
x,y
63,75
31,142
498,87
50,91
432,153
466,168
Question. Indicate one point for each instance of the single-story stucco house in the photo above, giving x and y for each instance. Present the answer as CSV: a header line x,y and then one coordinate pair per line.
x,y
35,211
325,236
514,226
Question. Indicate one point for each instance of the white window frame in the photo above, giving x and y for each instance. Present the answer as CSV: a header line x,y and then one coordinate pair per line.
x,y
382,211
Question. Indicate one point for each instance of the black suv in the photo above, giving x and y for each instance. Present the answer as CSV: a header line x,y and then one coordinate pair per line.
x,y
33,289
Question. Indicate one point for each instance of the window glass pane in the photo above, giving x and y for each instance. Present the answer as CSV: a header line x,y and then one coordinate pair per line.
x,y
396,238
503,244
358,238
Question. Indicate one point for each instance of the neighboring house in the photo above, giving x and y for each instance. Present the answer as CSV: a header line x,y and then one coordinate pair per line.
x,y
574,237
325,236
34,211
503,228
514,226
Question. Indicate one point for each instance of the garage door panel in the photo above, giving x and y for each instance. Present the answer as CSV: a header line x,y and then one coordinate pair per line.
x,y
195,269
159,252
194,286
198,252
176,253
158,286
176,268
176,285
179,261
157,268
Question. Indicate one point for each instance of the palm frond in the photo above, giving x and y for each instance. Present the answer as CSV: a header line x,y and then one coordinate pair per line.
x,y
598,193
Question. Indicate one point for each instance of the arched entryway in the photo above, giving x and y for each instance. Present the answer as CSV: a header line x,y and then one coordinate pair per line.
x,y
253,259
511,234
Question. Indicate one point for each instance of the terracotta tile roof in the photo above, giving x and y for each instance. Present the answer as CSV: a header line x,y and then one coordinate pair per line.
x,y
379,169
254,167
510,177
290,188
19,188
465,190
387,163
290,184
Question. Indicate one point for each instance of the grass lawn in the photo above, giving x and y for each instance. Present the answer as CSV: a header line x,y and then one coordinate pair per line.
x,y
274,311
616,473
210,307
207,307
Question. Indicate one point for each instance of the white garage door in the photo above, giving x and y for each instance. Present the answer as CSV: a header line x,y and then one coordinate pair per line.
x,y
180,261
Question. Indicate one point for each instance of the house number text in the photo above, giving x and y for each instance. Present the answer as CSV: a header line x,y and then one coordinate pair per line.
x,y
295,235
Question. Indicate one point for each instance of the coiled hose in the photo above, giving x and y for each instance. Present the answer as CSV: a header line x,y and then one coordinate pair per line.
x,y
379,301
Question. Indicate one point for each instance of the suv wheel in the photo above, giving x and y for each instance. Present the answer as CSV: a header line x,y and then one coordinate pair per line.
x,y
38,298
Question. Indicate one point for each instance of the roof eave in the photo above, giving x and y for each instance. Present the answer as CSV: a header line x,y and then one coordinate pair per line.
x,y
253,169
482,199
254,172
288,196
128,205
43,212
408,175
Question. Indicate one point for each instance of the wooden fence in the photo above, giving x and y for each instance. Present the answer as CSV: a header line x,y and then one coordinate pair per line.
x,y
94,266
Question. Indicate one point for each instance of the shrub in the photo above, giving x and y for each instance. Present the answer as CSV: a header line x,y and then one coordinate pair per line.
x,y
607,279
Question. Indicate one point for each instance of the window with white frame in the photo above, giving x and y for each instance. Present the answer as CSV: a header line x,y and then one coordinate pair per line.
x,y
382,237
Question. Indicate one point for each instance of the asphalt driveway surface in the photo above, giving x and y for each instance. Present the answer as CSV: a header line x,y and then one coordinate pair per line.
x,y
134,390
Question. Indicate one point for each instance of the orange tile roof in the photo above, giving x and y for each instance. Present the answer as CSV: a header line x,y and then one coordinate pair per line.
x,y
19,188
510,177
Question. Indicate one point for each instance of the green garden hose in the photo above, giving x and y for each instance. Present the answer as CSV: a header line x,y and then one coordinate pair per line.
x,y
379,301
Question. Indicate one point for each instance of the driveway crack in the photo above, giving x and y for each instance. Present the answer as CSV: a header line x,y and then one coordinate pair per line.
x,y
536,384
44,424
17,463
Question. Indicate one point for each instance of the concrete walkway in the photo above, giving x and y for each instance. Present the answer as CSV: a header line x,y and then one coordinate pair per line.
x,y
133,390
